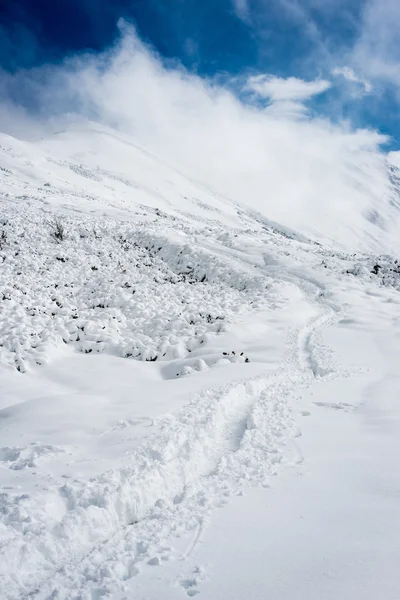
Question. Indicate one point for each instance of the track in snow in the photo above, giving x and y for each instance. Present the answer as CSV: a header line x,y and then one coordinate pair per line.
x,y
223,440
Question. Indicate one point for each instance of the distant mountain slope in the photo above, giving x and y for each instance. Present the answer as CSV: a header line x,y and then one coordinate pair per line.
x,y
96,169
92,169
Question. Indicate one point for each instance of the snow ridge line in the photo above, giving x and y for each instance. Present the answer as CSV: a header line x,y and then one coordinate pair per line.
x,y
228,436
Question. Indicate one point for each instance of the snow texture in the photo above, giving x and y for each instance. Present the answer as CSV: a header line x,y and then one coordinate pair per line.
x,y
165,353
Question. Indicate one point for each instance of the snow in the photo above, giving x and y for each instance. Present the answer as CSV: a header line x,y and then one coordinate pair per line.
x,y
194,400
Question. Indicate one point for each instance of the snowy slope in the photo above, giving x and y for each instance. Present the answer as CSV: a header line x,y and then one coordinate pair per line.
x,y
355,203
165,353
97,170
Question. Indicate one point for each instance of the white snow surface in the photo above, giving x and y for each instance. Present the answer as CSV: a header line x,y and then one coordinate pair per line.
x,y
194,400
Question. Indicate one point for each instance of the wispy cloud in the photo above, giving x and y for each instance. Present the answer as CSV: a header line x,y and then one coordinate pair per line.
x,y
287,110
354,44
242,9
349,74
292,88
285,166
376,52
394,159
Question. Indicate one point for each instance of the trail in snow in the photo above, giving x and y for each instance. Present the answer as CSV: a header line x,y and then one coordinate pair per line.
x,y
202,455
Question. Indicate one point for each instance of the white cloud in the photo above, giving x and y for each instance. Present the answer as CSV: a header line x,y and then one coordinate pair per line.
x,y
394,159
349,74
242,10
304,172
287,110
277,88
376,52
371,60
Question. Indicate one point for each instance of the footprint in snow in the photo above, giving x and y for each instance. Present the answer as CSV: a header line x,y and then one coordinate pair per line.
x,y
190,584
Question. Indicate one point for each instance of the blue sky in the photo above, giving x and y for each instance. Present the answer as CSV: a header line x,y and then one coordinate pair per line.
x,y
352,44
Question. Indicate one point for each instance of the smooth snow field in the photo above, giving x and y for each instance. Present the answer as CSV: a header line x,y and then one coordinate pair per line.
x,y
194,400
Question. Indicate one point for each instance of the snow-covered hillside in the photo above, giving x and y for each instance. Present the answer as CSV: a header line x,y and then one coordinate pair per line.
x,y
344,197
96,170
165,353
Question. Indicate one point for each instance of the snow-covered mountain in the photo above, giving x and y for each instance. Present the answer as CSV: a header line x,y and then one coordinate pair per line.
x,y
96,169
356,205
162,349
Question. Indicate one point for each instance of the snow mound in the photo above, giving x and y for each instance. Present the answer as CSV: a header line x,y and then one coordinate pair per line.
x,y
105,286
